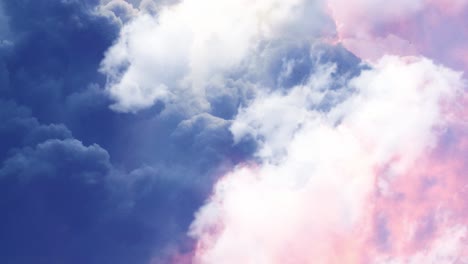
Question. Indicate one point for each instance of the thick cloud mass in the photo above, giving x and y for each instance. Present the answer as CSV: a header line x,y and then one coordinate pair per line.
x,y
308,200
80,183
80,208
232,131
421,27
56,48
195,43
88,184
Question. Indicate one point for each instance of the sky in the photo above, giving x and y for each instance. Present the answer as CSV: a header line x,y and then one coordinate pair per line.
x,y
233,131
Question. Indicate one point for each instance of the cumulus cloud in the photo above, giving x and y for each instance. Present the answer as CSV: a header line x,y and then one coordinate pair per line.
x,y
85,181
115,181
119,10
80,206
335,141
419,27
54,57
364,158
19,128
309,198
174,55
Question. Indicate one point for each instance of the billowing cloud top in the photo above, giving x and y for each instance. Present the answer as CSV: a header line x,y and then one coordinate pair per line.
x,y
192,45
233,131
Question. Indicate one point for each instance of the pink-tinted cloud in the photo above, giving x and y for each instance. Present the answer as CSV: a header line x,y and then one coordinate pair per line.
x,y
433,28
385,184
428,201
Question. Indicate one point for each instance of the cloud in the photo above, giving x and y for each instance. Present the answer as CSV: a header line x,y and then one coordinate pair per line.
x,y
76,205
52,58
81,207
44,160
119,10
20,129
199,87
52,187
173,56
308,198
92,185
446,249
4,25
58,135
419,27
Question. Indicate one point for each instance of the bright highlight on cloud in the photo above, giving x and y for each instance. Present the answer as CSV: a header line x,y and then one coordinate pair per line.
x,y
359,165
177,53
334,191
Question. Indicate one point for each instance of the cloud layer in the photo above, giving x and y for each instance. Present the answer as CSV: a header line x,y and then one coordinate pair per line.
x,y
227,131
355,163
431,28
194,44
331,183
84,181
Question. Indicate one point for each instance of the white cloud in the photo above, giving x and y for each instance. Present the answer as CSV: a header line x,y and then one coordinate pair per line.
x,y
172,56
274,118
319,147
309,196
118,10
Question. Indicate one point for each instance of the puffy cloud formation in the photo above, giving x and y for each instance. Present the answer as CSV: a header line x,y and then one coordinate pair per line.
x,y
119,10
354,163
179,53
333,186
82,207
317,156
433,28
56,48
88,184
